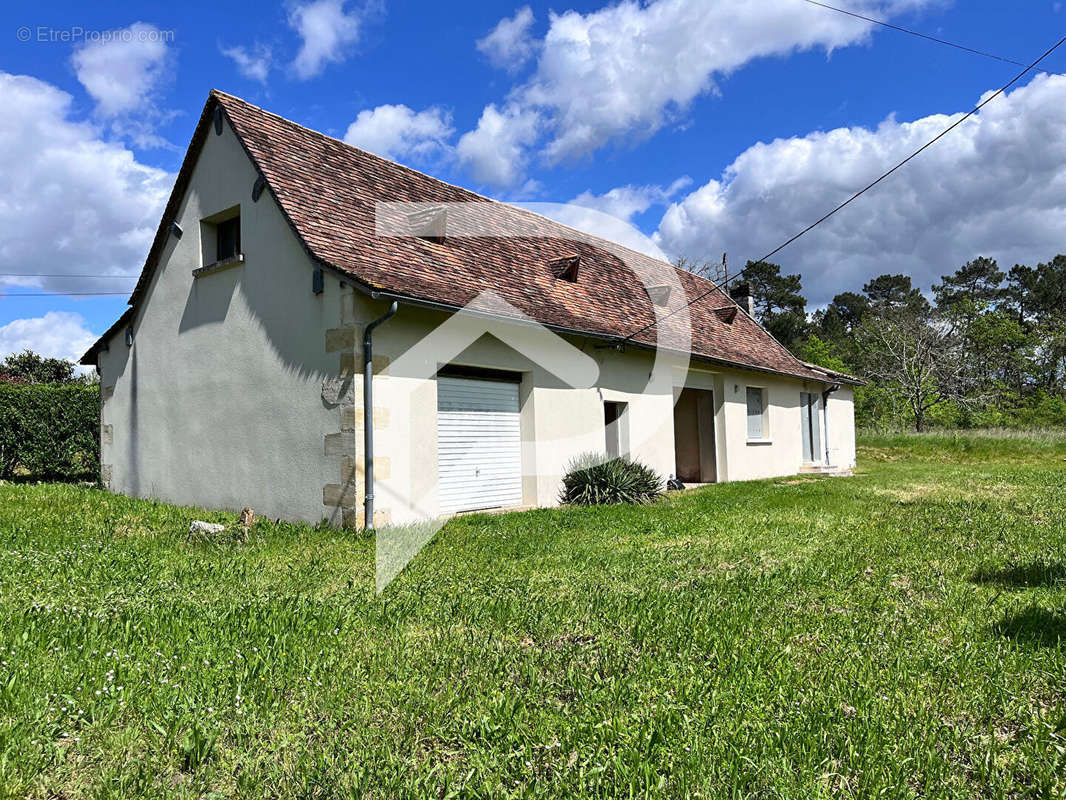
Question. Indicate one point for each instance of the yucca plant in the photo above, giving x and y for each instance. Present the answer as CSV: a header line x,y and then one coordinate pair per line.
x,y
591,481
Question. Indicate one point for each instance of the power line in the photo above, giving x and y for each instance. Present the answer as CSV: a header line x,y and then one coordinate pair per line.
x,y
62,275
60,294
718,286
917,33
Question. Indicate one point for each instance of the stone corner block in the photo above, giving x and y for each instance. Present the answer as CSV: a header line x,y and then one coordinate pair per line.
x,y
352,470
340,495
353,518
352,418
340,339
352,364
339,444
349,313
338,391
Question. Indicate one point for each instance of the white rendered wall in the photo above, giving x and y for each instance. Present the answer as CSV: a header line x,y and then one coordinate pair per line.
x,y
218,401
221,400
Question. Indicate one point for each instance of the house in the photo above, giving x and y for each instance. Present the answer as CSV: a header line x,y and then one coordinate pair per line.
x,y
503,345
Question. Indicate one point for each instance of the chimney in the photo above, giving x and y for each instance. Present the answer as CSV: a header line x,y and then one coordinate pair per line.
x,y
742,296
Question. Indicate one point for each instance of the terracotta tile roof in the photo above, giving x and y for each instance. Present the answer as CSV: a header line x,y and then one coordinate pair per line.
x,y
330,192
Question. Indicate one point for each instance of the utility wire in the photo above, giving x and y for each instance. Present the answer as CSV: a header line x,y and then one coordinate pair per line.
x,y
62,275
60,294
4,295
917,33
732,278
718,286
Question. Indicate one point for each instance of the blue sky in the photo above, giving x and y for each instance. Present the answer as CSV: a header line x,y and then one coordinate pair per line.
x,y
712,125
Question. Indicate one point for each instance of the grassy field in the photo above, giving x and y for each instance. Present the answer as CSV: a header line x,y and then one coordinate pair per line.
x,y
901,633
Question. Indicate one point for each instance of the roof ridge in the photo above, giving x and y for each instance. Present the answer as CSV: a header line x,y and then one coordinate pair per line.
x,y
278,147
510,204
219,93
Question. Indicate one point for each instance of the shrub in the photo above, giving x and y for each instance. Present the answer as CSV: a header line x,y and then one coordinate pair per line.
x,y
592,481
49,431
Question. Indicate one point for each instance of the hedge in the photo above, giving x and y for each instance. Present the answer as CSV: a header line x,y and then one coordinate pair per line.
x,y
49,430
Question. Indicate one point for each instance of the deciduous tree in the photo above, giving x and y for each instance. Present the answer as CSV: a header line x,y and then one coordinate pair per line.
x,y
29,367
916,358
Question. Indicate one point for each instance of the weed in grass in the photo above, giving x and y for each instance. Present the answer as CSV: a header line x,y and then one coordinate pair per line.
x,y
197,747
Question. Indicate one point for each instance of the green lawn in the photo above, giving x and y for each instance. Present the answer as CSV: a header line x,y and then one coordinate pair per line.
x,y
901,633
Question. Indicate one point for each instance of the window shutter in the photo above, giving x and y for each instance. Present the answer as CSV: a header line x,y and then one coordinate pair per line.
x,y
755,413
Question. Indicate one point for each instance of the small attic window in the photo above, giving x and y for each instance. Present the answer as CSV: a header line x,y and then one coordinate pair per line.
x,y
429,224
220,240
228,239
727,314
566,267
660,295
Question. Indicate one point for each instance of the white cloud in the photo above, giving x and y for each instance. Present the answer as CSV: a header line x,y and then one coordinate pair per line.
x,y
58,334
69,201
396,131
253,63
328,34
625,202
121,71
495,151
611,215
995,186
628,69
510,45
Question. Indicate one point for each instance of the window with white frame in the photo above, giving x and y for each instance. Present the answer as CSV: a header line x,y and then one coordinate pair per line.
x,y
758,429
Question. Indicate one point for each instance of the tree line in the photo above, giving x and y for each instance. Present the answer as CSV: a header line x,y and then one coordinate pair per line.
x,y
30,367
989,349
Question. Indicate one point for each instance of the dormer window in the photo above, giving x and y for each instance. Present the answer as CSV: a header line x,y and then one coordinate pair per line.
x,y
726,314
566,267
660,295
429,224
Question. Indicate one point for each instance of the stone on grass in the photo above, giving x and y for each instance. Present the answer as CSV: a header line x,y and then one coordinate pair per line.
x,y
199,529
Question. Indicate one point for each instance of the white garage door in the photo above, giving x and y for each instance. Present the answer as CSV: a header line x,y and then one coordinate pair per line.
x,y
479,444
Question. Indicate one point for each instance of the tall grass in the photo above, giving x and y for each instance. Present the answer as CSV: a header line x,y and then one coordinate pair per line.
x,y
898,634
998,444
